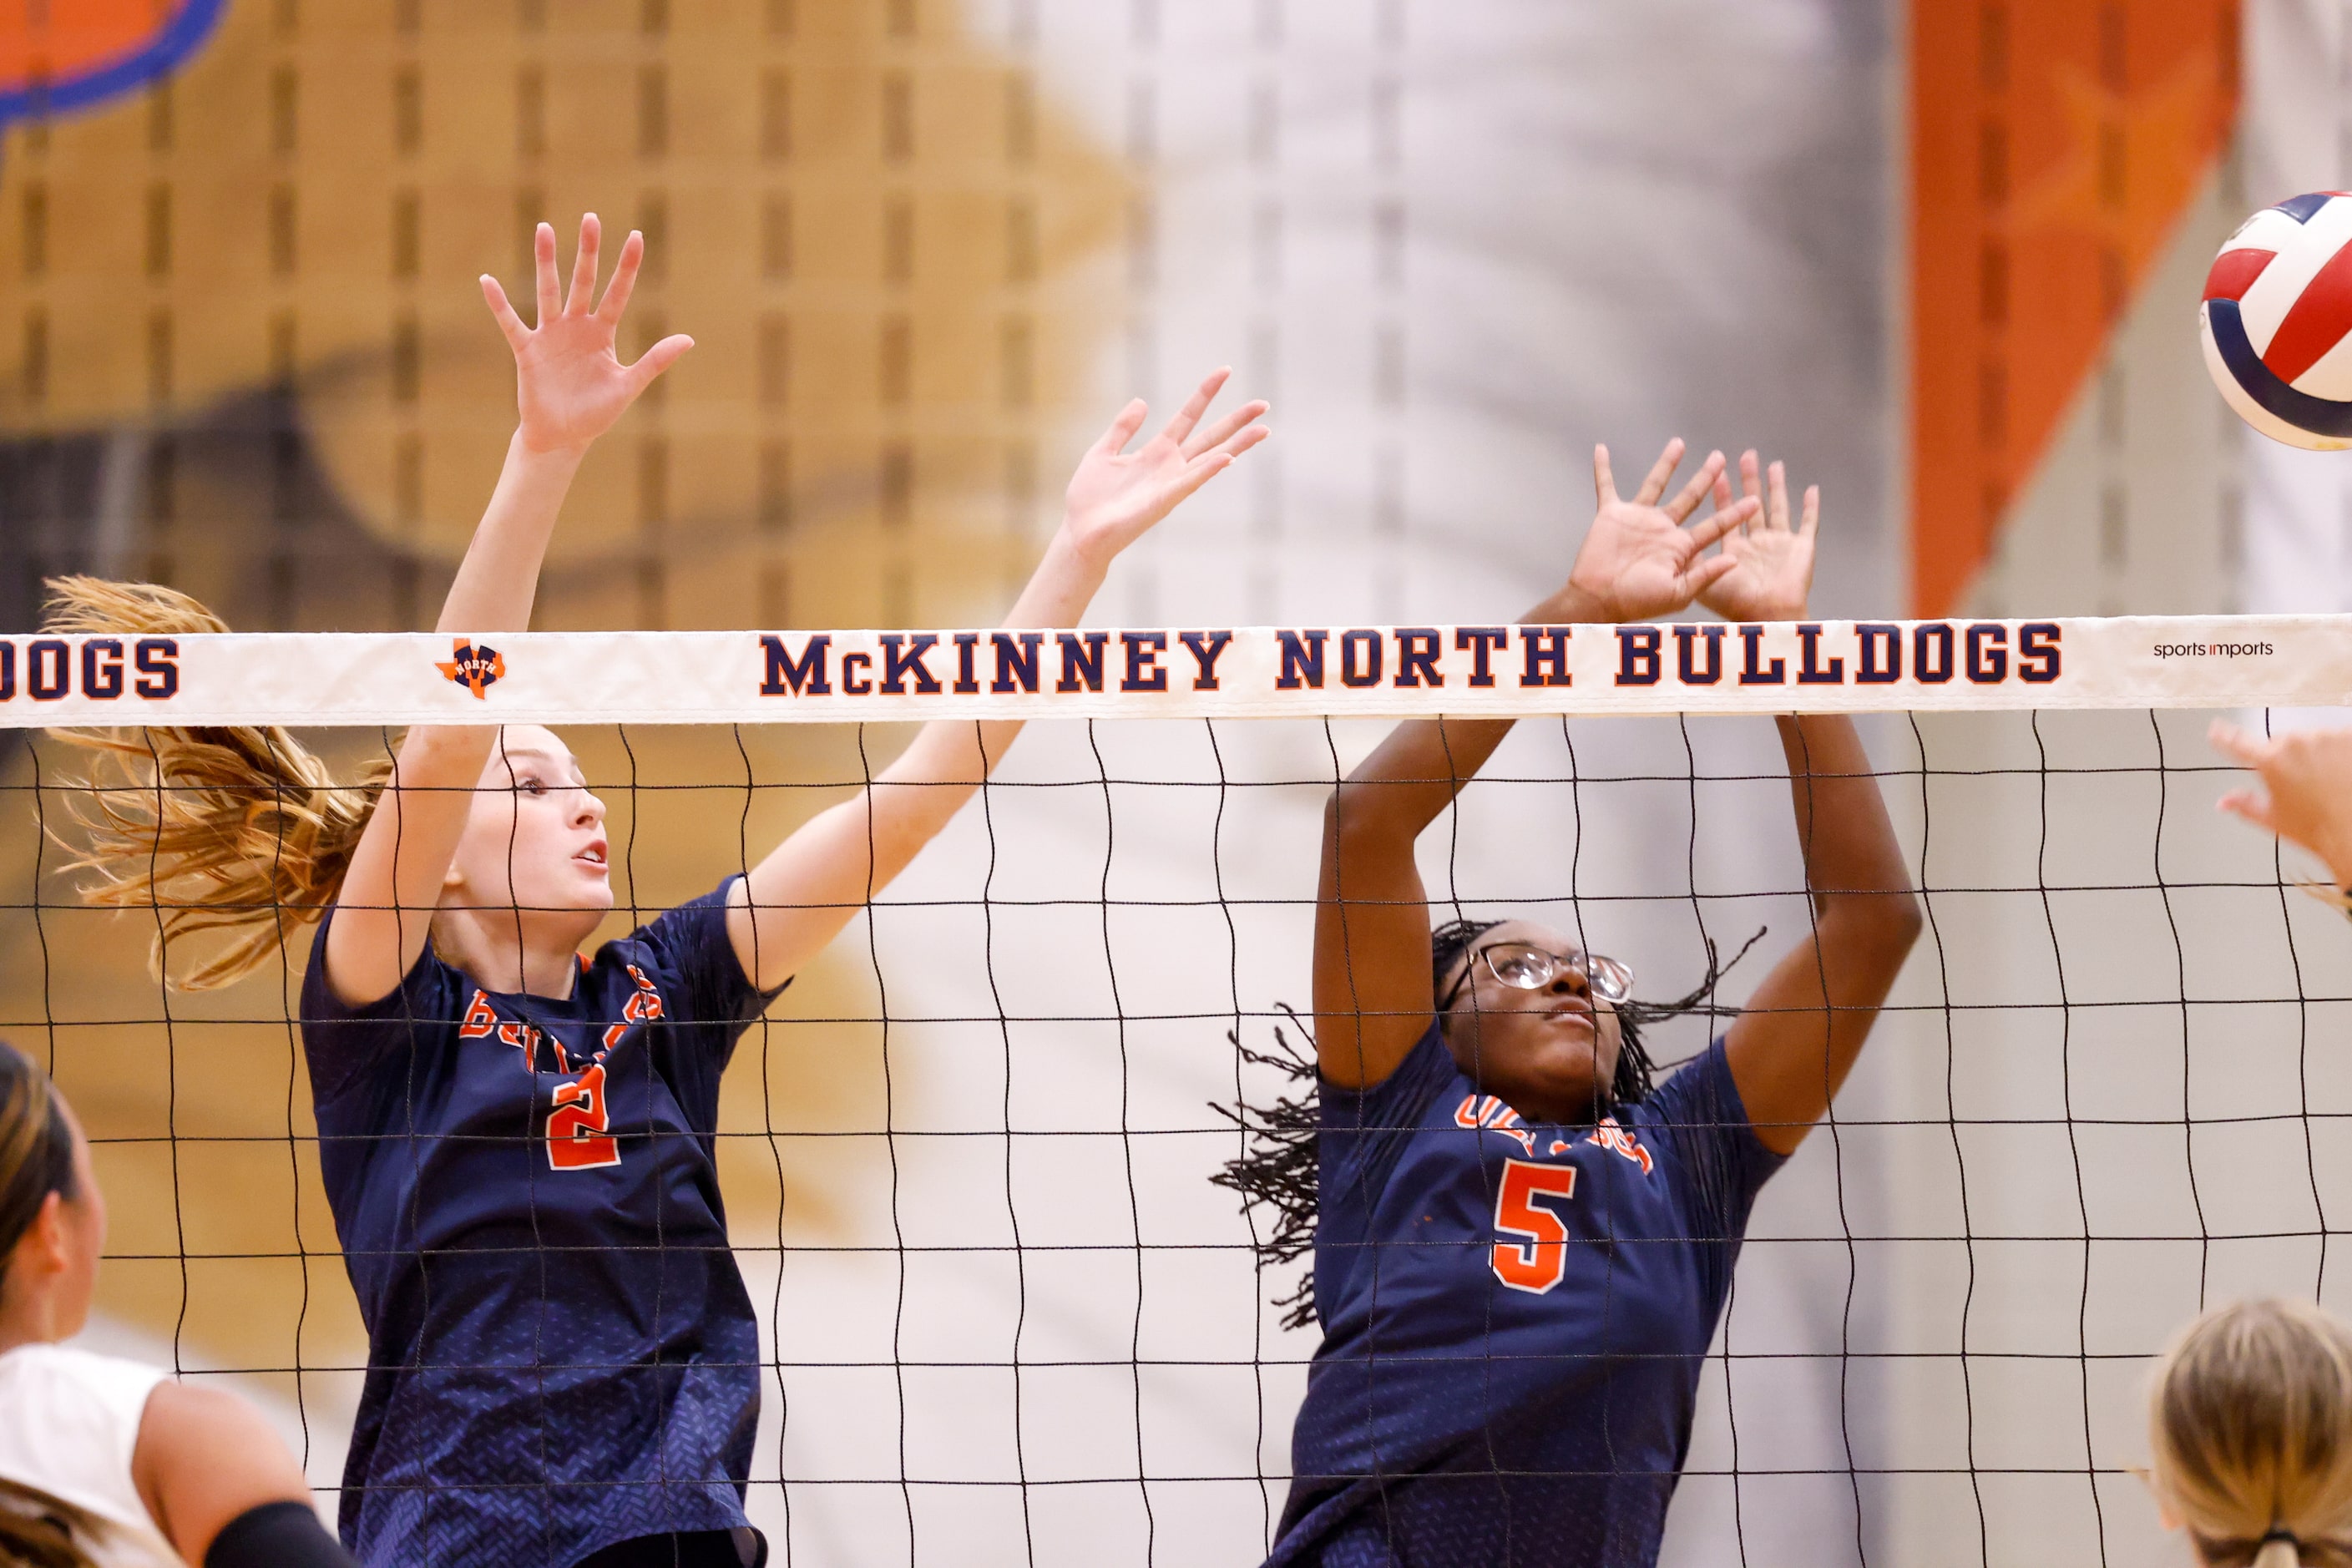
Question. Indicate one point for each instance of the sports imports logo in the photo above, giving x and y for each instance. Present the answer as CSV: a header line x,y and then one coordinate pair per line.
x,y
474,668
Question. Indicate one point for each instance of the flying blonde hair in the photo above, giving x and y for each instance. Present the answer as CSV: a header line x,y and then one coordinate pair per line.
x,y
239,833
2251,1422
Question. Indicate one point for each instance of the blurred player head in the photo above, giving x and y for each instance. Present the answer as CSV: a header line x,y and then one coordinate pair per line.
x,y
2250,1420
52,1218
1533,1019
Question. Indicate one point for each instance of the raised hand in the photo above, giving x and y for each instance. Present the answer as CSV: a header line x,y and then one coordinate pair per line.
x,y
2308,776
1639,560
1116,495
1771,563
568,382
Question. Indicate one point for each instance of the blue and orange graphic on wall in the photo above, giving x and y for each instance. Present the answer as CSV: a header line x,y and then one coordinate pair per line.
x,y
58,56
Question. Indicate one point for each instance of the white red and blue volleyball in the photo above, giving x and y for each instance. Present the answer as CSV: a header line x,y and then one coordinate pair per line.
x,y
2277,320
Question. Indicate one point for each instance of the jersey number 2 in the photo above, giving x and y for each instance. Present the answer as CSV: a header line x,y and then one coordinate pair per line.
x,y
576,1139
1537,1262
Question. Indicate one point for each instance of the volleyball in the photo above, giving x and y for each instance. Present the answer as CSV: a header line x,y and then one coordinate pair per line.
x,y
2278,302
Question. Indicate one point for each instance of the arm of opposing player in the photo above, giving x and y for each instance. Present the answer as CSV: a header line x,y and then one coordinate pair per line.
x,y
797,899
1791,1048
211,1471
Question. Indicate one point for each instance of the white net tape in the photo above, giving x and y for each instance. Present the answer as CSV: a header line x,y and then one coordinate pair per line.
x,y
808,677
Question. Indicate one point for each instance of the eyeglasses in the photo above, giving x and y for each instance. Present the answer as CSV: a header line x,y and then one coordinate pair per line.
x,y
1523,967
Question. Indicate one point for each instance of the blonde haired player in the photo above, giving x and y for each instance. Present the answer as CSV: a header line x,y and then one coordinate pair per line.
x,y
2250,1422
516,1136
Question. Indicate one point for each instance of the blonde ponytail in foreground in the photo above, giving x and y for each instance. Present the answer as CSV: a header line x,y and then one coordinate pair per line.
x,y
2251,1423
37,1530
238,833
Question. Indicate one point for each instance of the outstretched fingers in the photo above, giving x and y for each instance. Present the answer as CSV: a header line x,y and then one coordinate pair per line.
x,y
1195,474
1686,500
584,266
1604,482
1723,496
2250,805
2241,746
542,257
1238,442
656,360
1123,428
518,336
1654,484
1717,524
1189,415
624,280
1221,433
1704,574
1811,523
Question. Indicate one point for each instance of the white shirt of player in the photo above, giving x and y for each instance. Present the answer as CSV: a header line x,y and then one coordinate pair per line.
x,y
69,1423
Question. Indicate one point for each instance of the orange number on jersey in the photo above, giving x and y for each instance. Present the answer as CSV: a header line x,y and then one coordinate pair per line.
x,y
1537,1263
576,1139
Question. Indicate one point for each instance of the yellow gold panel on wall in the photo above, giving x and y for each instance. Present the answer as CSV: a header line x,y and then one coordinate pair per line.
x,y
877,238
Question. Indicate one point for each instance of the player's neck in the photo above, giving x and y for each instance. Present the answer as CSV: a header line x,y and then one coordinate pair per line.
x,y
28,1316
531,951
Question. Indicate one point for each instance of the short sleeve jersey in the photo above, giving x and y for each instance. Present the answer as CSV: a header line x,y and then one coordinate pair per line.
x,y
561,1351
1515,1316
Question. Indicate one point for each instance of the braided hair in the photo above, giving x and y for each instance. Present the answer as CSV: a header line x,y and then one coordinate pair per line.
x,y
1278,1168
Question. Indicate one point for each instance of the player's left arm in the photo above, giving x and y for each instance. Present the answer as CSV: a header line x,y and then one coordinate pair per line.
x,y
1791,1048
796,900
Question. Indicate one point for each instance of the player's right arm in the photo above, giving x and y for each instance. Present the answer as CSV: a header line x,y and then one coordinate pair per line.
x,y
1373,995
571,386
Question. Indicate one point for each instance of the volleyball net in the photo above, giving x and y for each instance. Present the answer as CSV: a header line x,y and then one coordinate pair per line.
x,y
1007,1313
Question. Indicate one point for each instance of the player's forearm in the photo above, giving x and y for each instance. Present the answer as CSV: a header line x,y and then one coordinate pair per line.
x,y
1851,856
498,580
1060,589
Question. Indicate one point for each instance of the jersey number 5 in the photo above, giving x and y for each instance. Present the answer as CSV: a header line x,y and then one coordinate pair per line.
x,y
1536,1263
576,1139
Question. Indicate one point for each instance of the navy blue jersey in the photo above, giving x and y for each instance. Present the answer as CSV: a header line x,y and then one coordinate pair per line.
x,y
561,1352
1515,1316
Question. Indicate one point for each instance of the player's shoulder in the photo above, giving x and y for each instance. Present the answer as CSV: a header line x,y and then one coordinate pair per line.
x,y
1699,1089
43,1383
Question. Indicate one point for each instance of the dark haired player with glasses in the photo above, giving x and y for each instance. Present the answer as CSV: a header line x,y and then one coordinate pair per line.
x,y
1523,1244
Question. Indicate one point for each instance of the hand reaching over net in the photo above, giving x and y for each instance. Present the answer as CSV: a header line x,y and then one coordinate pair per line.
x,y
1772,570
2308,777
570,383
1643,557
